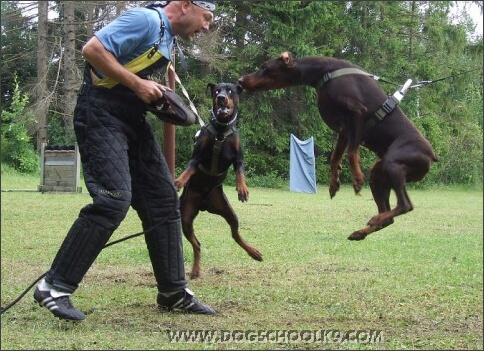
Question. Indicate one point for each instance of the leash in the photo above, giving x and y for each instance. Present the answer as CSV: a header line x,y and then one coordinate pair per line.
x,y
343,71
423,82
192,106
426,82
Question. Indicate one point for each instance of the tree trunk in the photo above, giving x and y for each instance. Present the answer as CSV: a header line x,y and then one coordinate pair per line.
x,y
71,74
42,100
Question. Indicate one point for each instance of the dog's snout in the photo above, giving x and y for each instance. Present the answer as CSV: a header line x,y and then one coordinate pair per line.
x,y
221,98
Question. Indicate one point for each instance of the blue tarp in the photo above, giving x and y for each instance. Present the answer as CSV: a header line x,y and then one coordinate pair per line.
x,y
302,174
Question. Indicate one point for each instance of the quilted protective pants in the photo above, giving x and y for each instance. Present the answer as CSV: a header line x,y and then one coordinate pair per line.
x,y
123,166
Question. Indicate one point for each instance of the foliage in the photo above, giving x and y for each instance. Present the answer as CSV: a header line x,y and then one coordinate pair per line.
x,y
57,133
17,149
395,40
19,44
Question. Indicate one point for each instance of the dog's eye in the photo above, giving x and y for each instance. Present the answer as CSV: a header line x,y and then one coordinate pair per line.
x,y
230,91
217,91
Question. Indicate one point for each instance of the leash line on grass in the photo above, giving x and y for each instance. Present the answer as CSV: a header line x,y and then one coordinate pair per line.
x,y
14,302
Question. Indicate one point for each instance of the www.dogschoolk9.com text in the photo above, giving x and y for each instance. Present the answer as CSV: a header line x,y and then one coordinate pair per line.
x,y
276,336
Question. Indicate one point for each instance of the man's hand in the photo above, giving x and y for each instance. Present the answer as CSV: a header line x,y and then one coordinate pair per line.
x,y
149,91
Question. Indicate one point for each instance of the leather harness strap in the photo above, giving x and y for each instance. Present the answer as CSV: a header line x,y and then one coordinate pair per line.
x,y
387,107
216,150
341,72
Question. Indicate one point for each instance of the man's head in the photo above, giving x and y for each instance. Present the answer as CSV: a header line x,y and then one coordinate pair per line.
x,y
189,18
207,5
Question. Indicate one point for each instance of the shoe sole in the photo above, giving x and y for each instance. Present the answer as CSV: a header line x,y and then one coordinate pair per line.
x,y
177,310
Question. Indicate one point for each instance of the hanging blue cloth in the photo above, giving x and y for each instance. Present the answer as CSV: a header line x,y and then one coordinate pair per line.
x,y
302,174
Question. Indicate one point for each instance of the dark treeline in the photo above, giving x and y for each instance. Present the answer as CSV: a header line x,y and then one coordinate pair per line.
x,y
395,40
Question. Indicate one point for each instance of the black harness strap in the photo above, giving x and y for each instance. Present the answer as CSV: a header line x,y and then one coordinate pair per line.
x,y
217,146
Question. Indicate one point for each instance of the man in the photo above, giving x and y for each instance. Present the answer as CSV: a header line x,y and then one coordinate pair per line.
x,y
122,162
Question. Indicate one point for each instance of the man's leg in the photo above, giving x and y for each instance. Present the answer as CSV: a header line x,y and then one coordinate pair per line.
x,y
107,177
156,201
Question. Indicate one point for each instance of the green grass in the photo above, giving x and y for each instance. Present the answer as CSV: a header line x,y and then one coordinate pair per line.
x,y
419,282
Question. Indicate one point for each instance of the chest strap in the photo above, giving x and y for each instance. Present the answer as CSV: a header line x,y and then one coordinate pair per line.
x,y
216,150
136,66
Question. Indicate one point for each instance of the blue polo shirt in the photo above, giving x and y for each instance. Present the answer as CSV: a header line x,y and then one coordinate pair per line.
x,y
134,32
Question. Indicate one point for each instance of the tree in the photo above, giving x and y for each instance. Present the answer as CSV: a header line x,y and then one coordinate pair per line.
x,y
40,92
395,40
72,78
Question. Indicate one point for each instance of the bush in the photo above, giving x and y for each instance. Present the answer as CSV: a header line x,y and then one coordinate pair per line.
x,y
17,149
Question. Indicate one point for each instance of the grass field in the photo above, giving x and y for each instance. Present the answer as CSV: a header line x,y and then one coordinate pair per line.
x,y
417,284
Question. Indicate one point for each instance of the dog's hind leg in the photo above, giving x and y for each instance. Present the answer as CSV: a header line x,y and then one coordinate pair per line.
x,y
380,188
189,211
220,205
397,166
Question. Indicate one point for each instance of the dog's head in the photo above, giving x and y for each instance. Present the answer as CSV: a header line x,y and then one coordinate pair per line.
x,y
276,73
225,98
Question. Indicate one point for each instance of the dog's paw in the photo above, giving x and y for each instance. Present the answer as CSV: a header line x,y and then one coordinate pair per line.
x,y
254,253
178,184
334,187
358,235
195,273
243,194
358,185
243,197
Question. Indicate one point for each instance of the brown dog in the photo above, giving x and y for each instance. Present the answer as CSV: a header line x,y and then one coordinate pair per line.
x,y
217,147
353,105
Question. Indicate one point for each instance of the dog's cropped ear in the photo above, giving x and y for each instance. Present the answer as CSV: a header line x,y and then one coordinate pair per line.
x,y
287,58
209,89
239,89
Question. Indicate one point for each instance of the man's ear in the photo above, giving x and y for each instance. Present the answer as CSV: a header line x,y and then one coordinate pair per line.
x,y
186,5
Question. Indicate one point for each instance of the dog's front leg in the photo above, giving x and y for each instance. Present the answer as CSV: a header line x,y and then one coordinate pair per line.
x,y
335,164
241,187
354,162
355,132
182,180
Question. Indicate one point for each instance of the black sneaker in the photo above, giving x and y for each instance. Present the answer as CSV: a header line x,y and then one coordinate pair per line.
x,y
183,302
60,306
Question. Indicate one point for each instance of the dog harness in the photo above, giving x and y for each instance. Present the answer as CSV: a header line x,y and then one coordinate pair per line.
x,y
216,150
387,107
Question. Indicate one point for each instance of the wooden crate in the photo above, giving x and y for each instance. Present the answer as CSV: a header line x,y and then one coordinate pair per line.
x,y
60,169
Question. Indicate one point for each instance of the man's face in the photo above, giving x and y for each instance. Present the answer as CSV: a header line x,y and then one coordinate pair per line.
x,y
195,21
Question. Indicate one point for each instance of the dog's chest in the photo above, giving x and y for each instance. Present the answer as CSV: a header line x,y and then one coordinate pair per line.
x,y
218,154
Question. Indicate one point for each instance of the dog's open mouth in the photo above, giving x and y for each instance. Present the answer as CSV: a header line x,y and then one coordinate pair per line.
x,y
223,111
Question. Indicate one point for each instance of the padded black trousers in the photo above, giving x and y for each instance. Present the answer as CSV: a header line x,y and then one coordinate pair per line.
x,y
123,166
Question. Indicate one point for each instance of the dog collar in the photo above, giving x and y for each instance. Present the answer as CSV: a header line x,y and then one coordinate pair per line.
x,y
215,121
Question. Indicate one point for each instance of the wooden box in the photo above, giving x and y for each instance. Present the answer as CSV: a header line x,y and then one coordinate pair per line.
x,y
60,169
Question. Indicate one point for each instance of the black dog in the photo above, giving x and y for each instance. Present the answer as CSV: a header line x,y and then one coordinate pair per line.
x,y
354,106
216,148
